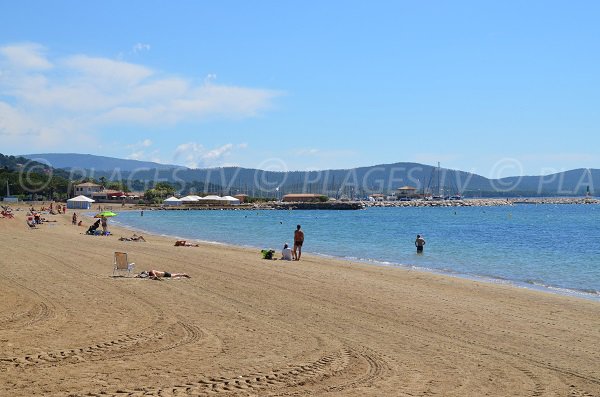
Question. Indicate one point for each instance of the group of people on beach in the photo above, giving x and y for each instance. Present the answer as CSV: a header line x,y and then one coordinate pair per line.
x,y
60,209
287,254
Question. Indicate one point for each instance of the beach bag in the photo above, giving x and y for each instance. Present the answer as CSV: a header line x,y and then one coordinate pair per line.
x,y
267,254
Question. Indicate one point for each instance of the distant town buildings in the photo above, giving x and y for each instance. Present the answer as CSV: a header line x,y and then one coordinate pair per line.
x,y
99,194
377,197
87,189
242,197
302,197
405,192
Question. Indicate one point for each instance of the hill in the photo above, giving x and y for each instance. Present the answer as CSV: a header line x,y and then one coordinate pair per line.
x,y
93,162
354,182
19,164
31,179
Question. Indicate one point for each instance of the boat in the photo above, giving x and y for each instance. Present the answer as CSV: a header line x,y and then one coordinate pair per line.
x,y
435,189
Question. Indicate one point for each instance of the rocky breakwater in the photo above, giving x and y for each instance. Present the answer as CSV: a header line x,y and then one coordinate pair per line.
x,y
328,205
556,200
442,203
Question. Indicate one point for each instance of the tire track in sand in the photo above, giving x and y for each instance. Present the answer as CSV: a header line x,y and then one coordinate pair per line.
x,y
333,372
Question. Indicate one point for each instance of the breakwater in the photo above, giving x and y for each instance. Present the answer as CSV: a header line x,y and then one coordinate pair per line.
x,y
484,202
358,205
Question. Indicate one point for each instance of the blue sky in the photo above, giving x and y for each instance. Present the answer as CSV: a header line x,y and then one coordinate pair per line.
x,y
496,88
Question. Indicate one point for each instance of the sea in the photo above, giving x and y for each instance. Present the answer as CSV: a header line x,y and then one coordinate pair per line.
x,y
554,248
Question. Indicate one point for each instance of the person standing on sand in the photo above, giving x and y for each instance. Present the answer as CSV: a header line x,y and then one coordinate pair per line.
x,y
104,225
419,243
298,241
74,218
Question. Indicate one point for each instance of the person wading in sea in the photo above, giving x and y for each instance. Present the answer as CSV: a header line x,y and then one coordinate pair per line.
x,y
419,243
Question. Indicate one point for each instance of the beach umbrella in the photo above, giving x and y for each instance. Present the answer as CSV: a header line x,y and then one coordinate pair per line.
x,y
105,214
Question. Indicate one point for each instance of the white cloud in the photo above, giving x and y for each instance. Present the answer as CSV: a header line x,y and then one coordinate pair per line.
x,y
107,71
29,56
307,152
12,122
77,95
210,78
218,152
136,155
139,151
139,47
194,155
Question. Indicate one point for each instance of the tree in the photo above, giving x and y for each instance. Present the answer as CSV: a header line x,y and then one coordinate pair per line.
x,y
160,191
117,186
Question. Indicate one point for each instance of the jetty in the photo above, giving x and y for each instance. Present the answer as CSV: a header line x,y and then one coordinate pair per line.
x,y
359,205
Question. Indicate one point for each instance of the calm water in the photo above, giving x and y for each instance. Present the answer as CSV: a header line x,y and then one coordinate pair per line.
x,y
552,247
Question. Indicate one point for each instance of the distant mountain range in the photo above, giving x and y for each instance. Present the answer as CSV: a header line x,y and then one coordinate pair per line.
x,y
93,162
355,182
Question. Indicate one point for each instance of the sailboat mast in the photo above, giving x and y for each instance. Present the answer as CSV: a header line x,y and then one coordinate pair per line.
x,y
438,176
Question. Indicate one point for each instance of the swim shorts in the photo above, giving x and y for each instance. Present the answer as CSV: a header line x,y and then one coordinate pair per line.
x,y
167,274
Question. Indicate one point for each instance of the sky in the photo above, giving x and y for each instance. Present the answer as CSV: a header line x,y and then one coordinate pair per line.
x,y
498,88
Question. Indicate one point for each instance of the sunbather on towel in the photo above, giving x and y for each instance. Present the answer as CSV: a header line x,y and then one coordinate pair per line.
x,y
159,274
135,237
184,243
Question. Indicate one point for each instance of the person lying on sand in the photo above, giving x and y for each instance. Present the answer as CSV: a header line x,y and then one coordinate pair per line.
x,y
135,237
184,243
159,274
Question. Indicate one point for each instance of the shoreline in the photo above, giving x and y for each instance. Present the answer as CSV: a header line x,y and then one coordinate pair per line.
x,y
245,326
593,296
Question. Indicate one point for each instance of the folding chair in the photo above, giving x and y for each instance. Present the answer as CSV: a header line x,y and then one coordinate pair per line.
x,y
121,263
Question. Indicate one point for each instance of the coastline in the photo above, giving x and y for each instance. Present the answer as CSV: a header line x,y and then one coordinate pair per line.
x,y
485,278
245,326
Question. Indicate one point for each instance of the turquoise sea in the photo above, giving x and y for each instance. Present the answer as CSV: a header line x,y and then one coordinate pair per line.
x,y
549,247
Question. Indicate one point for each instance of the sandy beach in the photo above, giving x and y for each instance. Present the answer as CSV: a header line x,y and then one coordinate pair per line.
x,y
249,327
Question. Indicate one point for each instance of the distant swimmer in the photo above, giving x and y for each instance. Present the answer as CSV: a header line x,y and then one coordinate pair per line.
x,y
419,243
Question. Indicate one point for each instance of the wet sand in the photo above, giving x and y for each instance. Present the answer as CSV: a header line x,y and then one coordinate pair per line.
x,y
249,327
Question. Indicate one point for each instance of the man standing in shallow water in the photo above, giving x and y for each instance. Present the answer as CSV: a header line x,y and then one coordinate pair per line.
x,y
419,243
298,241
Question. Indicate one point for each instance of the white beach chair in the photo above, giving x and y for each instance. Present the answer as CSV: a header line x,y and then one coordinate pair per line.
x,y
121,263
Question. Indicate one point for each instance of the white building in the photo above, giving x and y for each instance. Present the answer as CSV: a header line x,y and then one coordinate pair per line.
x,y
87,189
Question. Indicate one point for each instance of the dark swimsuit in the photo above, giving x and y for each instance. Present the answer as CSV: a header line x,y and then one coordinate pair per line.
x,y
298,243
167,274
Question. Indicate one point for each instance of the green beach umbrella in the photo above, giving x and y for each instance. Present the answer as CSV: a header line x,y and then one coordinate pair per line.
x,y
105,214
